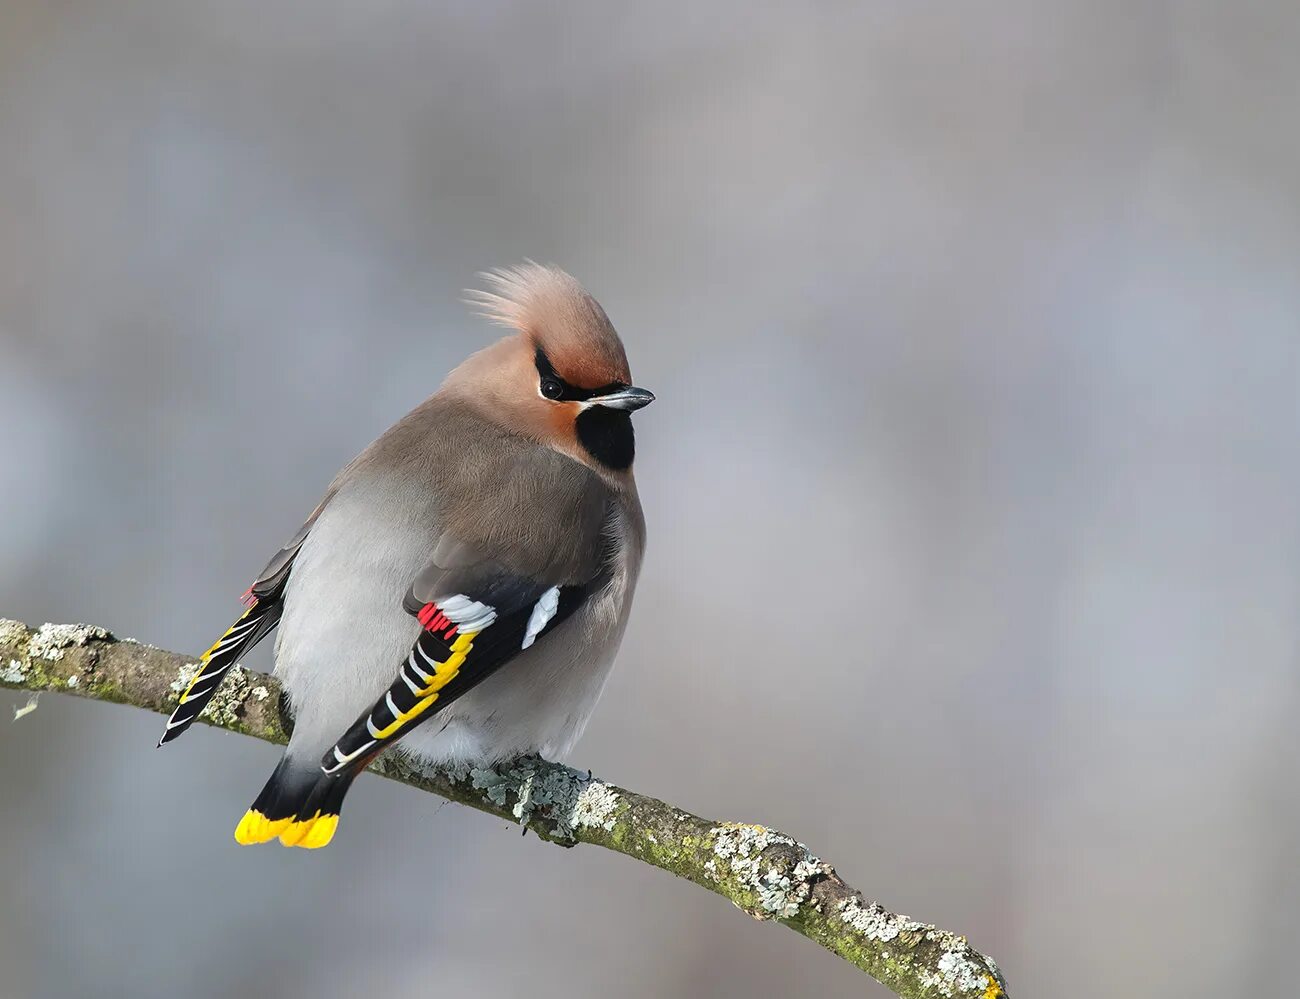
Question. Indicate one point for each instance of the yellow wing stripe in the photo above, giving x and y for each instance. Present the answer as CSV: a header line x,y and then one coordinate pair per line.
x,y
203,659
443,674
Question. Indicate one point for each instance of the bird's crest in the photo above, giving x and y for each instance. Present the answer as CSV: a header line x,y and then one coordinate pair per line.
x,y
552,309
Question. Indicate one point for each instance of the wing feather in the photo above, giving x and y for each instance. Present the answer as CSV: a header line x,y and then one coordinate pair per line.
x,y
468,633
264,600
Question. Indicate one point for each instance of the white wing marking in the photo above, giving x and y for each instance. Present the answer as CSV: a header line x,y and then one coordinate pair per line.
x,y
467,614
547,604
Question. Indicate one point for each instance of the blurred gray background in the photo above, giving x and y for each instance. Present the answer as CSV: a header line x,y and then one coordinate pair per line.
x,y
975,337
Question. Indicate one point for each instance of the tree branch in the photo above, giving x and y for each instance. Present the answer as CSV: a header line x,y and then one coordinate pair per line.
x,y
766,873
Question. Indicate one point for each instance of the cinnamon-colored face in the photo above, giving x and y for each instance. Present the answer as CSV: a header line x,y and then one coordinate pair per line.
x,y
563,379
591,401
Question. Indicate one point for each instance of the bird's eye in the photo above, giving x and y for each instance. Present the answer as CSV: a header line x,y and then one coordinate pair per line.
x,y
551,388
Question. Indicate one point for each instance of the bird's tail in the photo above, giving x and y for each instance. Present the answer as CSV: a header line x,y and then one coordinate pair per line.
x,y
299,804
251,627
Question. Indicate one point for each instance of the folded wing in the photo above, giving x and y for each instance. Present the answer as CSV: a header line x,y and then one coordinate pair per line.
x,y
475,619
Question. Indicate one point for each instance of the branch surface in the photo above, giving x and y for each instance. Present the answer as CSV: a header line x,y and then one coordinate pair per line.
x,y
767,874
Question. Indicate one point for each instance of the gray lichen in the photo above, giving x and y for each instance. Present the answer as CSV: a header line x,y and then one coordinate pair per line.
x,y
956,972
224,708
496,786
597,805
780,894
51,639
875,922
783,894
566,799
228,698
11,632
401,765
183,677
458,772
742,846
781,883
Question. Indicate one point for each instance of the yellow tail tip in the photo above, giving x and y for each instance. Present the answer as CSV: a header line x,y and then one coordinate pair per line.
x,y
310,834
320,833
255,827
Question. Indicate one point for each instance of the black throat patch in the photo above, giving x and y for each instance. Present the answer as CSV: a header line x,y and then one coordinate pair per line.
x,y
607,436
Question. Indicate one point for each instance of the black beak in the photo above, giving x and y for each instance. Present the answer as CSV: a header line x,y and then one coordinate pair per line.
x,y
627,399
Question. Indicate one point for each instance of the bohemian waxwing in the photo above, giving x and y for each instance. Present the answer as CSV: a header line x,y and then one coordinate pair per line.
x,y
472,568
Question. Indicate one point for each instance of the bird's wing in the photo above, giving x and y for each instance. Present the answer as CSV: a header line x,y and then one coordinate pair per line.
x,y
264,600
476,616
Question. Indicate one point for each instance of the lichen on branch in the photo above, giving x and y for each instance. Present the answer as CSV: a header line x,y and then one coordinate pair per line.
x,y
765,873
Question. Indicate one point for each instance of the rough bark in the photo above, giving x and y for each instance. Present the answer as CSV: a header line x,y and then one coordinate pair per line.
x,y
763,872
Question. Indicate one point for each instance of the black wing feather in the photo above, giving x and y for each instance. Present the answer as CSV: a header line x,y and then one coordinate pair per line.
x,y
446,663
265,600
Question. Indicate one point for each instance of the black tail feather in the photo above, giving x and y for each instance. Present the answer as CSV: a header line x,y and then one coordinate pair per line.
x,y
299,804
251,627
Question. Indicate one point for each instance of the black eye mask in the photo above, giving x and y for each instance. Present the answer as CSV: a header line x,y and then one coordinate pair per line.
x,y
567,392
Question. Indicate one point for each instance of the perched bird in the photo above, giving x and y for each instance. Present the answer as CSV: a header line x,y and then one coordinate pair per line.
x,y
464,585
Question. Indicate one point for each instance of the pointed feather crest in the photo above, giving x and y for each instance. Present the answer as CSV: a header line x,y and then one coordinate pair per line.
x,y
550,308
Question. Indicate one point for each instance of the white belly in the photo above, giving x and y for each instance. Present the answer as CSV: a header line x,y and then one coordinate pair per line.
x,y
344,634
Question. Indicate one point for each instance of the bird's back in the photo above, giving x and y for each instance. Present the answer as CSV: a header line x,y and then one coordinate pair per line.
x,y
510,498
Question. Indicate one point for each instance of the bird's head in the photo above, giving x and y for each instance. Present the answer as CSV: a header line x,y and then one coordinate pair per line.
x,y
562,377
